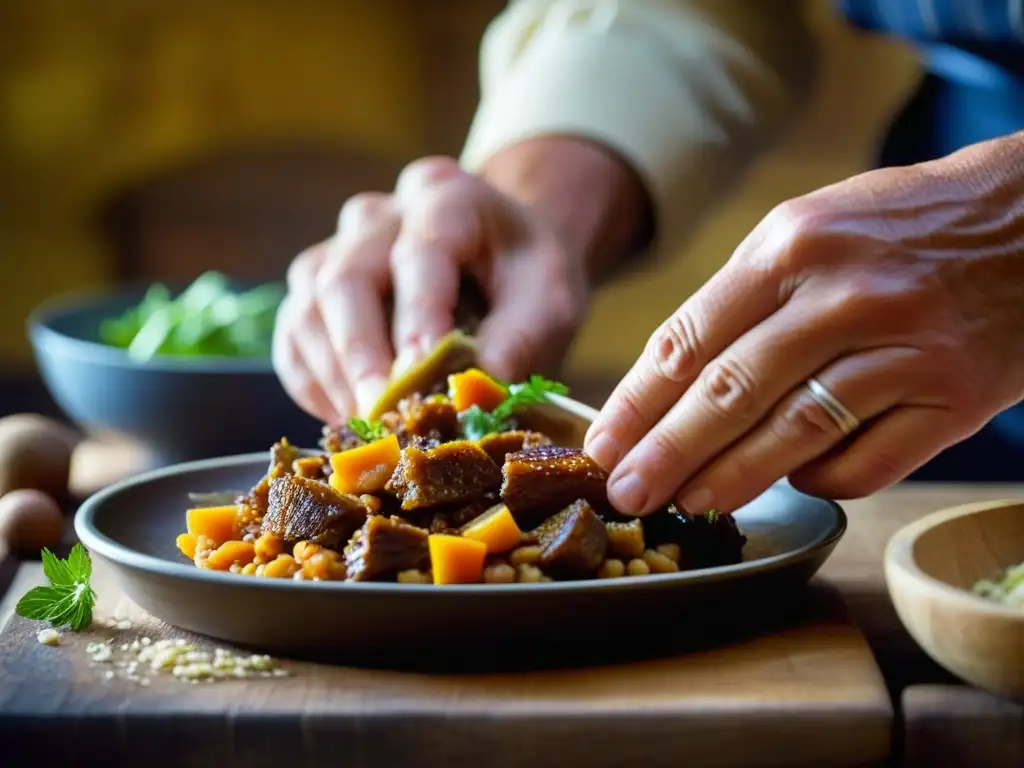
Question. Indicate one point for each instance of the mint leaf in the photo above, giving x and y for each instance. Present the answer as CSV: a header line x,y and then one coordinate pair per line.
x,y
368,431
80,564
476,422
532,391
711,515
39,602
58,571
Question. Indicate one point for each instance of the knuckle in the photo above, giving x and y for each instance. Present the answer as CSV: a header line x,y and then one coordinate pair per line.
x,y
793,227
801,420
427,171
674,347
729,391
302,271
362,210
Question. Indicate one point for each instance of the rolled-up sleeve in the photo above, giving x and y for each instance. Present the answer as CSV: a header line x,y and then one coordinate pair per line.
x,y
687,92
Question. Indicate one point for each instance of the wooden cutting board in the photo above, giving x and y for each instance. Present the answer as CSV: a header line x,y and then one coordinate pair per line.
x,y
804,692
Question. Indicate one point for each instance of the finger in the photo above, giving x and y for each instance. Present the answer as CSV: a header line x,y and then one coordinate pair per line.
x,y
350,290
799,429
536,310
309,336
294,374
899,443
442,231
734,300
730,396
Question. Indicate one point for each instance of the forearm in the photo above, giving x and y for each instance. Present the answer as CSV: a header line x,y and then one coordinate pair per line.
x,y
588,192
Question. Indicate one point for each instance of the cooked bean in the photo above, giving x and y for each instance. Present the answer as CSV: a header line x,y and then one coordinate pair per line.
x,y
268,546
529,573
499,572
671,551
282,567
611,569
250,569
413,576
525,556
659,563
638,567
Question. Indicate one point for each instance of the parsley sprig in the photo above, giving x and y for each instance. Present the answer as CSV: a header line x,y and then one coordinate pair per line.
x,y
368,431
69,599
476,422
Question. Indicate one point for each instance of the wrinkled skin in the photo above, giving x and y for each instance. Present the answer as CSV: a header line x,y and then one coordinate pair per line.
x,y
901,290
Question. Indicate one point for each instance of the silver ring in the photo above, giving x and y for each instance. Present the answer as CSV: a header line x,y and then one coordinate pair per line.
x,y
844,418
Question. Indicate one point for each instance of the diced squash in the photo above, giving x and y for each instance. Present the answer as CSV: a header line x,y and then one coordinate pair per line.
x,y
217,523
365,469
187,544
496,528
456,559
474,387
231,553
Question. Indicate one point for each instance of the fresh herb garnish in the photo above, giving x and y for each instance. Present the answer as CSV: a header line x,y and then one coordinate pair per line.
x,y
476,422
69,599
711,515
368,431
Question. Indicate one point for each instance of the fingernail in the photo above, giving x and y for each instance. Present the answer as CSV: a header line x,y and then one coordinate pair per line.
x,y
695,501
603,450
367,391
628,493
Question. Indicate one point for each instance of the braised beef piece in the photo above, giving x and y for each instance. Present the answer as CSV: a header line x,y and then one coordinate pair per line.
x,y
500,444
450,473
312,467
385,546
282,454
300,509
340,439
451,519
703,542
573,542
432,418
626,539
540,481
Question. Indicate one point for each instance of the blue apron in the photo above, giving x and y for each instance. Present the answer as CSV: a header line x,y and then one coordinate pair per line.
x,y
973,52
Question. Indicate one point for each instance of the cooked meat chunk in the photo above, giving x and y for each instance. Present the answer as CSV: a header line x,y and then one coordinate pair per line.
x,y
311,467
573,542
540,481
626,540
703,542
459,471
433,417
384,546
301,509
451,519
282,454
340,439
500,444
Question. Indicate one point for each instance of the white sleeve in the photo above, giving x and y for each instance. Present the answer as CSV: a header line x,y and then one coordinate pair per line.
x,y
688,92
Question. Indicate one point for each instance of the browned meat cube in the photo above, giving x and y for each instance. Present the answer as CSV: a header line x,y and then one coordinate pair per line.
x,y
384,546
500,444
301,509
573,542
540,481
433,417
704,542
311,467
626,540
340,439
451,519
450,473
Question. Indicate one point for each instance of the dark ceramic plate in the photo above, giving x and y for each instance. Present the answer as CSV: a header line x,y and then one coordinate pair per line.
x,y
131,527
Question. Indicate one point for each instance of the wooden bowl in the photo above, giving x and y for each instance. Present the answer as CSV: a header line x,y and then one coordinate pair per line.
x,y
930,568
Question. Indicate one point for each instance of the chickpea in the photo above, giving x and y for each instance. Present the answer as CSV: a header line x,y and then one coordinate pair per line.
x,y
638,567
525,556
659,563
268,546
611,569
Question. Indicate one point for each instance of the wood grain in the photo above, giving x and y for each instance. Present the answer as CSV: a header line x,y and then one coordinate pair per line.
x,y
805,694
957,726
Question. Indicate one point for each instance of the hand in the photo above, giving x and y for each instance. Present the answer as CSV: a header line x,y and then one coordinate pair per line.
x,y
334,345
900,290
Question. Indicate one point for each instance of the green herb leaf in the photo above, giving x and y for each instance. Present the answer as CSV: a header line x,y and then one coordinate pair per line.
x,y
69,599
368,430
532,391
476,422
711,515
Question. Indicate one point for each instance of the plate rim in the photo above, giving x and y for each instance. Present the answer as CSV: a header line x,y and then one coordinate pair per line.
x,y
123,556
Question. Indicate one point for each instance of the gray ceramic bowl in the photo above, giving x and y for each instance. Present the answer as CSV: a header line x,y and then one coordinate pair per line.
x,y
131,527
179,409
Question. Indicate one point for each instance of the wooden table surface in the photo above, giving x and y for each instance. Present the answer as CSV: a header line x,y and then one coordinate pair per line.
x,y
808,693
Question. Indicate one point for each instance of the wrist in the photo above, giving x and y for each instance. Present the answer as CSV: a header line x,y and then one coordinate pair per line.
x,y
587,192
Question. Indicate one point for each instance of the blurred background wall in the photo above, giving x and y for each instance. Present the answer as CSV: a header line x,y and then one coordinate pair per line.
x,y
155,140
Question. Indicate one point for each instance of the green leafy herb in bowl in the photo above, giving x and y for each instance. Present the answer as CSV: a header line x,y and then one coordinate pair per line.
x,y
207,318
1008,590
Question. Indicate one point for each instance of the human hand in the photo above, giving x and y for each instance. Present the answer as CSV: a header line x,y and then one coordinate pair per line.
x,y
334,344
899,290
